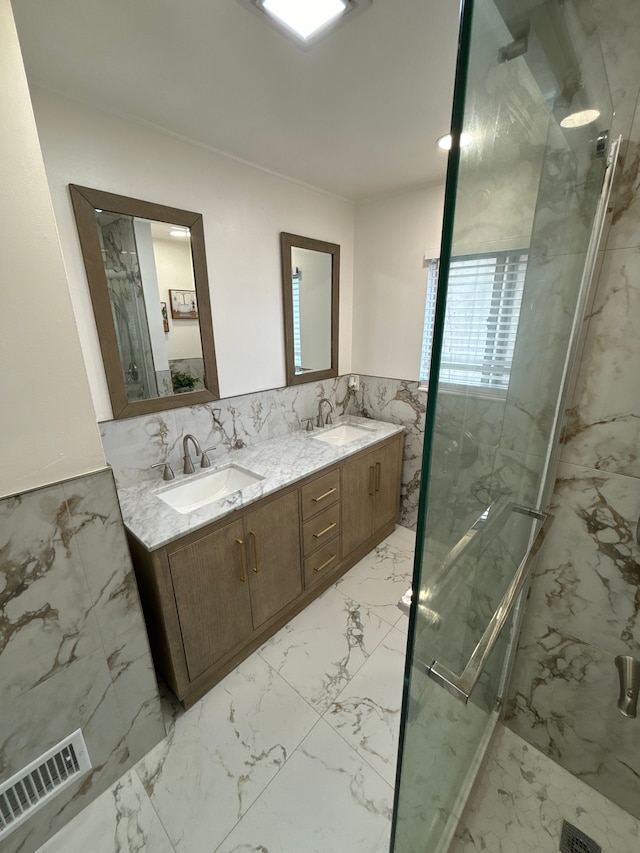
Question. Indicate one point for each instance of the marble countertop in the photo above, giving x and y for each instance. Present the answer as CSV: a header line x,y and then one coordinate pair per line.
x,y
280,461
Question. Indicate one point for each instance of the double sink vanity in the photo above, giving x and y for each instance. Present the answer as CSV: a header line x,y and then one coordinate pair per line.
x,y
228,553
226,556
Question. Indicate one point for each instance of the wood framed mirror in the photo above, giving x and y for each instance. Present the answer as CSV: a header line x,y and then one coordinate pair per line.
x,y
311,291
147,275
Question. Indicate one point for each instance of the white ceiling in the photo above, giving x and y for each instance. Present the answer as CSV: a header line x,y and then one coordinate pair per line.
x,y
357,115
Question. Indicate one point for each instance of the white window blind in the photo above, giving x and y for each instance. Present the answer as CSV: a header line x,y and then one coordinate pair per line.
x,y
297,348
483,307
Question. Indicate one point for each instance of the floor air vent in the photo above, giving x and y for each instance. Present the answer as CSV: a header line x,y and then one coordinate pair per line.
x,y
40,781
574,841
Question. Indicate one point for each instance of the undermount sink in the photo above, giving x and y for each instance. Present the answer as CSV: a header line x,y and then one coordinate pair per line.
x,y
343,434
206,488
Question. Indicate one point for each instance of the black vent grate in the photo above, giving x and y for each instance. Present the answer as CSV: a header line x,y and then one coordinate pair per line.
x,y
574,841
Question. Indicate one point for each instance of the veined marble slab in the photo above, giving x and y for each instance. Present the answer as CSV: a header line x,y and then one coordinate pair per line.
x,y
221,754
323,647
324,799
280,461
520,799
367,712
122,819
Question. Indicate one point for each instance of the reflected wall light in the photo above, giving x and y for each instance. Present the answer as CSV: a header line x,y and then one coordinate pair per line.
x,y
444,142
580,118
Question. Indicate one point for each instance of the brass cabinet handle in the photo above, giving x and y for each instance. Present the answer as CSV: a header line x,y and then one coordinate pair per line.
x,y
243,559
371,471
326,563
325,495
378,468
326,530
255,551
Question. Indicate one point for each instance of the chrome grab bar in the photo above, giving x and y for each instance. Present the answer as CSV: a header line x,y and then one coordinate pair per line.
x,y
461,686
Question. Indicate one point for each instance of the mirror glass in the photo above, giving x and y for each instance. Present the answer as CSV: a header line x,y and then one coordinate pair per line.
x,y
147,276
310,277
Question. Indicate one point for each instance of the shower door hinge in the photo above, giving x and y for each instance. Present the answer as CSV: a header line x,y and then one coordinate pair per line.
x,y
602,144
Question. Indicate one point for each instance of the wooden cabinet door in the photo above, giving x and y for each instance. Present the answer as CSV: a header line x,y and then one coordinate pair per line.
x,y
357,497
212,596
388,462
273,549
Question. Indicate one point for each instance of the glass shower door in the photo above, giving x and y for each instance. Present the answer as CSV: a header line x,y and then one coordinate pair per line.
x,y
523,212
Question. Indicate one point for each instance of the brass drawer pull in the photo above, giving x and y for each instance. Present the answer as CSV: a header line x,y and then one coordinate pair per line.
x,y
243,559
255,551
326,530
325,495
371,478
378,468
326,563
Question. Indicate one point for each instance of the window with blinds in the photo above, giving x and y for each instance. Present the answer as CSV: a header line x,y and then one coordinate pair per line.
x,y
297,348
483,307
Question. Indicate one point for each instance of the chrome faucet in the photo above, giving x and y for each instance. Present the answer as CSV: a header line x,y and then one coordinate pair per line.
x,y
320,422
188,463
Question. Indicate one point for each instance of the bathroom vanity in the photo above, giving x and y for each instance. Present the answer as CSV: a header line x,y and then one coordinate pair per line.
x,y
218,580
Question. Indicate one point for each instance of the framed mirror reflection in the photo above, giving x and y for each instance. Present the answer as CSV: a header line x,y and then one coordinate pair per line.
x,y
311,288
147,275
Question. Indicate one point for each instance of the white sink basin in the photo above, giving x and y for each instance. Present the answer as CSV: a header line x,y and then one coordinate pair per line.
x,y
205,488
343,434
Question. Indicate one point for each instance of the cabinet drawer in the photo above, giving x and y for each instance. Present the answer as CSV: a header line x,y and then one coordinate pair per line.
x,y
320,529
320,494
321,562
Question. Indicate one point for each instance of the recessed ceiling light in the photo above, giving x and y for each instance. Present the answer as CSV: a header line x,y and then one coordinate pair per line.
x,y
305,17
444,142
179,232
580,119
306,22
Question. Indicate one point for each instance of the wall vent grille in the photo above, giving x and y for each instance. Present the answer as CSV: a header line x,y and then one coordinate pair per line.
x,y
574,841
37,783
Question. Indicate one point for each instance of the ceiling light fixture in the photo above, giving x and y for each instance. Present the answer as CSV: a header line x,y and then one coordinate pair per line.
x,y
444,142
306,21
580,118
179,232
305,17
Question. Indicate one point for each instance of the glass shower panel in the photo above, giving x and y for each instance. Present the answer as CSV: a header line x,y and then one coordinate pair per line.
x,y
523,188
120,256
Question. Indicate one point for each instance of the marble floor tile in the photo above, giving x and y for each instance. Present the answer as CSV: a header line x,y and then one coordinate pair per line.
x,y
321,650
221,754
380,579
367,712
520,799
326,798
122,820
403,537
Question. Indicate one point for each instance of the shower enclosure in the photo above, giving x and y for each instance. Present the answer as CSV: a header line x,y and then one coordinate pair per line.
x,y
527,186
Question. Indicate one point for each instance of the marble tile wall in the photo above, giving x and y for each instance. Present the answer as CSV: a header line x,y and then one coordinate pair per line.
x,y
73,646
584,604
401,401
134,444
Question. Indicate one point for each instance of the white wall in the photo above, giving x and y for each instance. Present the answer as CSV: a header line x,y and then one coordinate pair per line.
x,y
175,272
244,210
391,237
315,306
48,424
